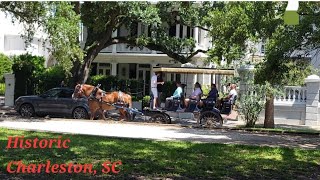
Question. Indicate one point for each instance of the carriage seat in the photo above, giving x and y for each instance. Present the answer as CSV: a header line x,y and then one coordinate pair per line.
x,y
209,103
228,105
193,104
173,104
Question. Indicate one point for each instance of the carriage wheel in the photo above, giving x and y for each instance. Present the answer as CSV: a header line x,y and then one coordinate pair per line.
x,y
211,119
159,118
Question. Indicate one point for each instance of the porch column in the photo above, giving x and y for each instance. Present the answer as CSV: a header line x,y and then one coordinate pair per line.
x,y
184,31
114,47
312,113
196,34
114,68
146,30
177,30
139,29
9,93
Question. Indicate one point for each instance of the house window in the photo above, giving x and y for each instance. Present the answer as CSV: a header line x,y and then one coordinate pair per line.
x,y
189,32
262,50
134,29
104,68
178,77
172,31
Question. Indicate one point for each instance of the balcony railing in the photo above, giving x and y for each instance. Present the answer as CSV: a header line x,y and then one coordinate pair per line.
x,y
123,48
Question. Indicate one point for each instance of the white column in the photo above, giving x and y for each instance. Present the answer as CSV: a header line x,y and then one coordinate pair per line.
x,y
312,113
146,30
114,47
139,29
184,31
177,30
9,93
114,68
196,34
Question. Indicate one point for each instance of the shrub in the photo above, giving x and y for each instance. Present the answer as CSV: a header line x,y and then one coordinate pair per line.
x,y
2,88
251,104
108,83
112,83
6,66
146,101
27,69
206,89
51,78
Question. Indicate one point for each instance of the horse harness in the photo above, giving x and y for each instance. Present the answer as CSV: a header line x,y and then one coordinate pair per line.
x,y
93,96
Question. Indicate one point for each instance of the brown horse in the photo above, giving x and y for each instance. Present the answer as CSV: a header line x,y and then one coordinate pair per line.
x,y
101,100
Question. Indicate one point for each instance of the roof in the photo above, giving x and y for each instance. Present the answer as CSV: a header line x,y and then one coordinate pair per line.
x,y
191,70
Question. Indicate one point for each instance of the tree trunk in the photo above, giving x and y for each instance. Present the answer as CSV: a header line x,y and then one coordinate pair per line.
x,y
269,112
81,71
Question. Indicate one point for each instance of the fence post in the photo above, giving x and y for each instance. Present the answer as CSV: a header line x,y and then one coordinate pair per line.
x,y
9,93
312,112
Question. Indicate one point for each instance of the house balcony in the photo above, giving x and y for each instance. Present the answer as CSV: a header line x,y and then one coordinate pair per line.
x,y
123,48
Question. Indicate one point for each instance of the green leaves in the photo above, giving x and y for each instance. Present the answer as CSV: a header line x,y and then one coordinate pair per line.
x,y
6,64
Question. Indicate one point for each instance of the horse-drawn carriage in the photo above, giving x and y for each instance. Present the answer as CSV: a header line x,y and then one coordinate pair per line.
x,y
208,114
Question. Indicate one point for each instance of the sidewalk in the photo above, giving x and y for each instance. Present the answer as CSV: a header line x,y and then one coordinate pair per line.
x,y
162,132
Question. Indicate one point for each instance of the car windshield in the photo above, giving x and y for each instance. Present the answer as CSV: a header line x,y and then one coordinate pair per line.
x,y
65,93
52,93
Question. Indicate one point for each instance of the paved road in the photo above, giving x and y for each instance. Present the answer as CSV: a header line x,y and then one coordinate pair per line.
x,y
161,132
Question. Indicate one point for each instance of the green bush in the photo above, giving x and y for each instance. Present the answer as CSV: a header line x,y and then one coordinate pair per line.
x,y
108,83
51,78
2,88
112,83
251,104
27,69
146,101
206,89
6,66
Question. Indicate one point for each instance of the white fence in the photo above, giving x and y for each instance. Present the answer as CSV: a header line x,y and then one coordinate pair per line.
x,y
297,105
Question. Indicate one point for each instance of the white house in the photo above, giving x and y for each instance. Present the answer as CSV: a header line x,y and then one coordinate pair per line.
x,y
11,42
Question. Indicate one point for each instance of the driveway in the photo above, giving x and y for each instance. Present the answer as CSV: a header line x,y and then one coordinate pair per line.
x,y
161,132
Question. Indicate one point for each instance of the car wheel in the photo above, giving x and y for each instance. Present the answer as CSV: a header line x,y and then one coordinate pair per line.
x,y
80,113
26,110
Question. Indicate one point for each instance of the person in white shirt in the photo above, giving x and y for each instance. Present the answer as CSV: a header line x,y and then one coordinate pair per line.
x,y
231,96
154,83
196,94
232,93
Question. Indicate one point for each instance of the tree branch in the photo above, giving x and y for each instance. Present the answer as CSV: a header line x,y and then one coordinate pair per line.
x,y
177,56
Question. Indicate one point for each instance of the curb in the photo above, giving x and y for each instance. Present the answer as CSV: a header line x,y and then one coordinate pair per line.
x,y
284,132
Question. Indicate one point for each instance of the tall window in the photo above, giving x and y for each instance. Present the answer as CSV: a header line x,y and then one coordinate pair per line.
x,y
104,68
172,31
189,32
134,29
263,47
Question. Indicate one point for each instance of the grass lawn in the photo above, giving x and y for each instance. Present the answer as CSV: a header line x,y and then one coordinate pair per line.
x,y
159,159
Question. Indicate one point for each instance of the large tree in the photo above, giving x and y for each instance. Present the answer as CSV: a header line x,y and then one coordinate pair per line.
x,y
60,21
234,24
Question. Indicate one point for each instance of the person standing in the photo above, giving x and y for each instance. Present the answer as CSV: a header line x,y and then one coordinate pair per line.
x,y
154,90
159,88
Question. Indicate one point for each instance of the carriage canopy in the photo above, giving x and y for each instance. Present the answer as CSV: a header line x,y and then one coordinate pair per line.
x,y
192,70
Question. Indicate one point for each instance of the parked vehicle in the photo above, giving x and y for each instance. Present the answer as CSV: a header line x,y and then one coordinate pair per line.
x,y
55,102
